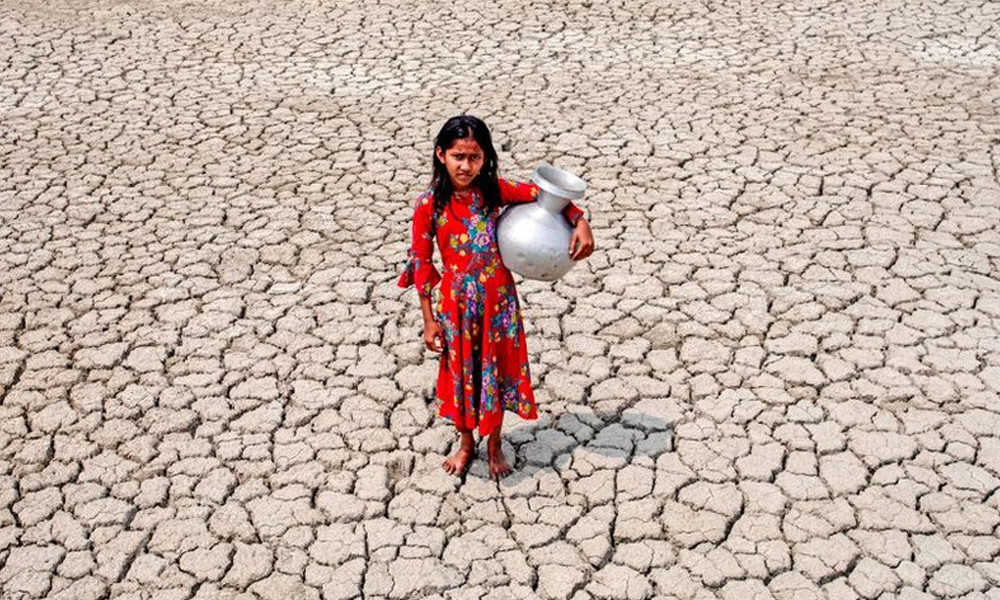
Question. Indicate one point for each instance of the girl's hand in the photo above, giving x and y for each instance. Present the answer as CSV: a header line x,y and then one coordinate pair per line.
x,y
433,338
581,245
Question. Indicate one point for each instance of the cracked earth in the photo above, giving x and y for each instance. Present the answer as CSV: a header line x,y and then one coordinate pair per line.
x,y
777,377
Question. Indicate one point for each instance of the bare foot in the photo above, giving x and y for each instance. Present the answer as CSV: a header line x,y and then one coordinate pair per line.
x,y
459,461
499,467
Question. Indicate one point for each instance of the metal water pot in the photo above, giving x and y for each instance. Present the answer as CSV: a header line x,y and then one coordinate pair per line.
x,y
534,238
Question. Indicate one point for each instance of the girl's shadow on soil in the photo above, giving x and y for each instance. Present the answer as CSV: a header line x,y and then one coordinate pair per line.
x,y
586,441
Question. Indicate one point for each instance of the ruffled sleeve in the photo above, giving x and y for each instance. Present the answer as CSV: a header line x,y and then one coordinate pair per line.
x,y
420,271
518,192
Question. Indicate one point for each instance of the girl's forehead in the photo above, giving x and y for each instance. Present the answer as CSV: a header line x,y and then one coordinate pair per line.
x,y
466,146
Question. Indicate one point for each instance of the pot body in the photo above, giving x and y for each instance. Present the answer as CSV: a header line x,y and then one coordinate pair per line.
x,y
533,238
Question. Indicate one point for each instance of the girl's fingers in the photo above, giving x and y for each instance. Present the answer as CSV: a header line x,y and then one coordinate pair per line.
x,y
575,246
579,248
434,344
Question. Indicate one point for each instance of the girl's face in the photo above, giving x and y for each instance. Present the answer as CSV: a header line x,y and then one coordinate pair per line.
x,y
463,162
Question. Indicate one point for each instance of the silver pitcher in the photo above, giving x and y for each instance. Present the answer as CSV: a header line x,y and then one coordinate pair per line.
x,y
534,237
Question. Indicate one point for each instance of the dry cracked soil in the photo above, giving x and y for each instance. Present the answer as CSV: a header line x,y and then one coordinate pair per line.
x,y
777,377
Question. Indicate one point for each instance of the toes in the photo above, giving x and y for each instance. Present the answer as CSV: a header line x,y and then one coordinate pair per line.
x,y
500,470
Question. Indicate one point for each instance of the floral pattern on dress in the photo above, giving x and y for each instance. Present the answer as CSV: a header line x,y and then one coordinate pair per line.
x,y
506,320
483,370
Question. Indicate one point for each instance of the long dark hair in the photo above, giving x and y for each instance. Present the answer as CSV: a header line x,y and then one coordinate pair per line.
x,y
460,128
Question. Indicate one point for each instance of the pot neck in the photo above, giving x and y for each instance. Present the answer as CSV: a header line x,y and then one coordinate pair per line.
x,y
551,202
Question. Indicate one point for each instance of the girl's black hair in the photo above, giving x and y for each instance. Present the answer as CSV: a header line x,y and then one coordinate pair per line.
x,y
460,128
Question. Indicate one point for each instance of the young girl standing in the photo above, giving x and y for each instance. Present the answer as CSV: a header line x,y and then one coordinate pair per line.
x,y
477,321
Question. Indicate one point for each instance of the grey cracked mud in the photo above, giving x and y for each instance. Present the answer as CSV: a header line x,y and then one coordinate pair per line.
x,y
777,377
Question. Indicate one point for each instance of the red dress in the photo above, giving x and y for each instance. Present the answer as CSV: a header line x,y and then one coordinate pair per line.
x,y
484,366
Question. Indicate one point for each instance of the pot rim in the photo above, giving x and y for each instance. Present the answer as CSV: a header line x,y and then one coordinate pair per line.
x,y
559,182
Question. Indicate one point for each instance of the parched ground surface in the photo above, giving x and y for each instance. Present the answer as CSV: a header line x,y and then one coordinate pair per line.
x,y
777,377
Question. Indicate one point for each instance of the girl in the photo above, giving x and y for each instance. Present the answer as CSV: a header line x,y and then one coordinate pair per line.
x,y
477,322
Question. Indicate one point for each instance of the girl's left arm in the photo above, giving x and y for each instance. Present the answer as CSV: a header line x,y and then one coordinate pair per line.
x,y
581,244
519,192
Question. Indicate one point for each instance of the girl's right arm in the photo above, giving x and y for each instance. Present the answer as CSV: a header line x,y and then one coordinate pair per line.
x,y
420,271
433,337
